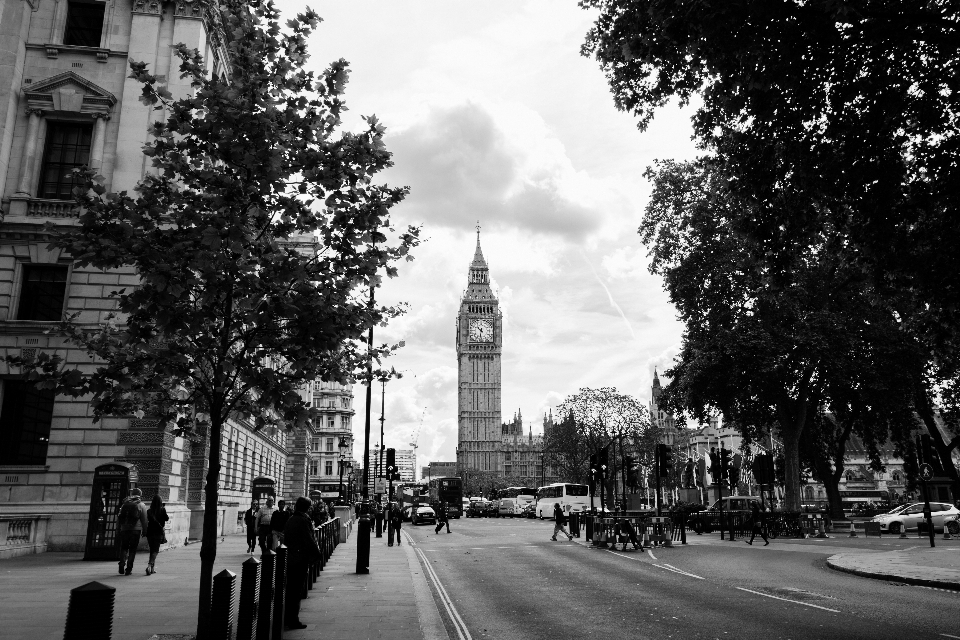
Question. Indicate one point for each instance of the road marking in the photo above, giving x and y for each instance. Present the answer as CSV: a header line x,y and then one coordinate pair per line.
x,y
462,632
947,635
680,571
650,553
806,604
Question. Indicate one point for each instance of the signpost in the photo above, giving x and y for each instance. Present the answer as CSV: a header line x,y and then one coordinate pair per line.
x,y
926,475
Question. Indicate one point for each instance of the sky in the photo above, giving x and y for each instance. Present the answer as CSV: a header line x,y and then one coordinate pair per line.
x,y
495,118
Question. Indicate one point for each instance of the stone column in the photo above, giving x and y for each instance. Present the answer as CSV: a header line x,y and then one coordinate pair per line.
x,y
99,135
27,186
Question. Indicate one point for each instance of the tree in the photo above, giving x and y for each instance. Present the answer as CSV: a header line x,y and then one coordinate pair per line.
x,y
825,114
767,347
257,238
600,418
564,450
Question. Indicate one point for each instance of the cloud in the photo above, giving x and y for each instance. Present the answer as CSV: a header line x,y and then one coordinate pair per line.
x,y
465,164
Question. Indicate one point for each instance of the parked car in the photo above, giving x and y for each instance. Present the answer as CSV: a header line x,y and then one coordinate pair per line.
x,y
423,515
908,516
952,524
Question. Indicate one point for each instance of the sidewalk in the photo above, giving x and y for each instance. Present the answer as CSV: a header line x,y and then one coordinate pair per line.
x,y
392,601
938,567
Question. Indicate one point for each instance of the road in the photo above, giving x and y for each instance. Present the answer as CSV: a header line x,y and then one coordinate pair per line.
x,y
504,578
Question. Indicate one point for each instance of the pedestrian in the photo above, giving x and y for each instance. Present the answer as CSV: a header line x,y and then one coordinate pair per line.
x,y
627,530
278,521
758,515
396,519
250,520
156,520
302,553
560,519
264,532
442,518
132,522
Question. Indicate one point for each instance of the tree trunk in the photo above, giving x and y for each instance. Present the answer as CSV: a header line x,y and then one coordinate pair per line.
x,y
208,545
832,485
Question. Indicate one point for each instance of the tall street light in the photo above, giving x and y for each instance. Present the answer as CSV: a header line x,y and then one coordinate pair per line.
x,y
343,446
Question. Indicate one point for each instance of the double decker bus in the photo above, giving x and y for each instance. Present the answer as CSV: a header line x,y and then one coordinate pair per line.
x,y
450,490
570,497
410,496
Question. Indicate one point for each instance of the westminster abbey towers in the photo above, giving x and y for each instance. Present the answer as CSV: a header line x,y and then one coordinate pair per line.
x,y
479,345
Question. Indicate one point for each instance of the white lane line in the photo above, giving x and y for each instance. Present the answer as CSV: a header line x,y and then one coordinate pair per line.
x,y
806,604
650,553
947,635
462,632
681,571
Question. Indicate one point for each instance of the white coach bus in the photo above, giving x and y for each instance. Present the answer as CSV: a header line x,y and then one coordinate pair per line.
x,y
571,497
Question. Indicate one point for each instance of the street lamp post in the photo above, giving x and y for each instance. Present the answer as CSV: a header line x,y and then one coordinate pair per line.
x,y
343,456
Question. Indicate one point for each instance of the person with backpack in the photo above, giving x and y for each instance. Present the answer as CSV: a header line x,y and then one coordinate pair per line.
x,y
758,515
442,518
250,521
396,519
560,519
131,523
156,520
264,532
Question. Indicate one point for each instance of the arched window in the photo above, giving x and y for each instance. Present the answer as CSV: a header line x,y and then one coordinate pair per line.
x,y
808,491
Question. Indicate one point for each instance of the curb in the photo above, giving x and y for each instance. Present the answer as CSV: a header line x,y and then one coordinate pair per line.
x,y
879,575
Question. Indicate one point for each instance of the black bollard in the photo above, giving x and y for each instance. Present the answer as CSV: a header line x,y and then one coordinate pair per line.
x,y
90,612
265,614
280,592
380,523
363,543
249,600
221,608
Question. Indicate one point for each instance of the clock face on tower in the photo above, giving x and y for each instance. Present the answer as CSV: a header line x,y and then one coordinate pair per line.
x,y
481,331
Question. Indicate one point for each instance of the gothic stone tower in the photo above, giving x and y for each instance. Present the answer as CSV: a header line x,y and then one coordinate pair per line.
x,y
479,346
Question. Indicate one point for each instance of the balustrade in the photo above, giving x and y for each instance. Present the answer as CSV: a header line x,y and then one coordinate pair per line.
x,y
22,534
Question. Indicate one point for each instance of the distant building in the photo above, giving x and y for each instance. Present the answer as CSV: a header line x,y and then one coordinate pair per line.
x,y
438,470
333,403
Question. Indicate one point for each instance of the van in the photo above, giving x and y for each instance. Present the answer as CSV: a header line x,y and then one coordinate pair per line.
x,y
509,507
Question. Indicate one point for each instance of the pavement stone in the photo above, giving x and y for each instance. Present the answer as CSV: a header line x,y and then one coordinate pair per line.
x,y
931,567
392,601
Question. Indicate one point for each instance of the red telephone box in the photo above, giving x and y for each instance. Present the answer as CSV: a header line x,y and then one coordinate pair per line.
x,y
111,485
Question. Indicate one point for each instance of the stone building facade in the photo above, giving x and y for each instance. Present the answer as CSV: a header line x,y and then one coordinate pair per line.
x,y
333,403
66,101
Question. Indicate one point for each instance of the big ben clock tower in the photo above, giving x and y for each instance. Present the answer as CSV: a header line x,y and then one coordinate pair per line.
x,y
479,344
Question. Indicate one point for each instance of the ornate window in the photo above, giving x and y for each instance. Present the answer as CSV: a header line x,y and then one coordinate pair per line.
x,y
84,24
25,423
67,147
328,468
41,292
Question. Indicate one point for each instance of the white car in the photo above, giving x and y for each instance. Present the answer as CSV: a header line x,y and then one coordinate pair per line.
x,y
908,516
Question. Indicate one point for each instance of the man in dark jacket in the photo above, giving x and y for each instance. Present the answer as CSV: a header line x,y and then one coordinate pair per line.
x,y
302,552
396,519
250,520
278,521
560,519
442,518
132,523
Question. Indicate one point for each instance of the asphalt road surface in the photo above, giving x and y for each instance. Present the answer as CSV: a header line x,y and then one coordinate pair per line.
x,y
505,578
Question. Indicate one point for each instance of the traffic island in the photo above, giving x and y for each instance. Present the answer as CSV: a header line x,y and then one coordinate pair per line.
x,y
939,568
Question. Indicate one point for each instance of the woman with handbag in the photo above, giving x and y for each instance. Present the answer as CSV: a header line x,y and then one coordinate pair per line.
x,y
156,520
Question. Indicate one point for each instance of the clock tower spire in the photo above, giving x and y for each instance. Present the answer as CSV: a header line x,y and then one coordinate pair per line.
x,y
479,347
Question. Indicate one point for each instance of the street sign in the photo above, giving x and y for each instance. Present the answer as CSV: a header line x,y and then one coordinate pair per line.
x,y
926,472
380,485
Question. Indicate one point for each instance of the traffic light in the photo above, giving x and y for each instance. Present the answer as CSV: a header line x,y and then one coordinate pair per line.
x,y
714,463
603,459
763,469
594,466
391,462
725,461
664,460
630,463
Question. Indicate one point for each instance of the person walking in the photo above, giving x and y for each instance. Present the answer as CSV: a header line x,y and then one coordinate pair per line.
x,y
278,521
132,522
759,517
396,519
264,532
156,520
302,552
560,519
442,518
627,530
250,520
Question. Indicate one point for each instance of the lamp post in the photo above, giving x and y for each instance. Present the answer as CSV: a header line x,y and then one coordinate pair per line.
x,y
350,482
343,457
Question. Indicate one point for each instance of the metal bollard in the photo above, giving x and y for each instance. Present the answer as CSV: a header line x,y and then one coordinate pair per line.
x,y
221,609
249,600
267,575
280,592
683,528
90,612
